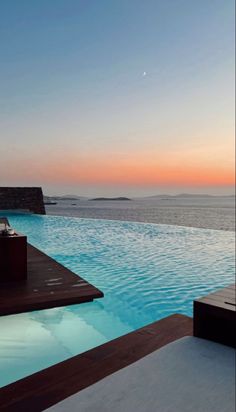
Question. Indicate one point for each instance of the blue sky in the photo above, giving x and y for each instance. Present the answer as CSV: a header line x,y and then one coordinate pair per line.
x,y
97,87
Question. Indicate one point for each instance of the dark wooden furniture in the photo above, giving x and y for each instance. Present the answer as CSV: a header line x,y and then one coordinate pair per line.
x,y
48,285
215,316
43,389
13,258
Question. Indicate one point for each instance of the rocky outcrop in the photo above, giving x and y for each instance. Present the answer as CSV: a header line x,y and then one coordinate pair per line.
x,y
29,198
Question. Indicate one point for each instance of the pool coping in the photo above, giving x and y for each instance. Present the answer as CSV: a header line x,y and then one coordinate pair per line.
x,y
49,284
50,386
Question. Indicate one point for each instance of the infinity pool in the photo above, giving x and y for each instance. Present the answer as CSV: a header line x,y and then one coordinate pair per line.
x,y
146,272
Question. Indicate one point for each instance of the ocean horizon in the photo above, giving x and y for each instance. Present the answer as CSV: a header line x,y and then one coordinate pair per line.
x,y
209,212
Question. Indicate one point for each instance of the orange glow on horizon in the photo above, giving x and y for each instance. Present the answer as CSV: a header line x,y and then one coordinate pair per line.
x,y
124,171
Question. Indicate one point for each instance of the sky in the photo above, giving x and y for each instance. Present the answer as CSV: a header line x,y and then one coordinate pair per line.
x,y
117,97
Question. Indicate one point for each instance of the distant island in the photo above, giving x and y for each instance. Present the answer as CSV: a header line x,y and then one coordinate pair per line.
x,y
165,196
185,195
48,203
110,198
66,197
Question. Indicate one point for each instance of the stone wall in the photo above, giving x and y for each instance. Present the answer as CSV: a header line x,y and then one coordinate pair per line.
x,y
29,198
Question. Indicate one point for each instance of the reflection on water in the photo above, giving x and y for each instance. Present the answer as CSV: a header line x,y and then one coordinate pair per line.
x,y
146,272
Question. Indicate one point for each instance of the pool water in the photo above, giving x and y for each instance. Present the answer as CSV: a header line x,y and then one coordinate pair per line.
x,y
146,272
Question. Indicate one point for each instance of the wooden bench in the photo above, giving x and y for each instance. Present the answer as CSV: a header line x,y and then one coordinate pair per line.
x,y
215,316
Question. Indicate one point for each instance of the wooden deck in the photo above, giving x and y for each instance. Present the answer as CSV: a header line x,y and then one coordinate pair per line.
x,y
43,389
48,285
215,316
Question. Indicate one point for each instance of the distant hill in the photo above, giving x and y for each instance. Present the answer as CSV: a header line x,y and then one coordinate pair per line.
x,y
122,198
64,197
110,198
185,195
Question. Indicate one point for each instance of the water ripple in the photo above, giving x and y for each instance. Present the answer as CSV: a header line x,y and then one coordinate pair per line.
x,y
146,272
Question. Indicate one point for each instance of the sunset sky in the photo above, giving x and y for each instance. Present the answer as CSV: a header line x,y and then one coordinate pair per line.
x,y
117,97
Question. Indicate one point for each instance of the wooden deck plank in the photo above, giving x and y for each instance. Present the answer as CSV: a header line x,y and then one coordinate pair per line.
x,y
49,386
49,284
214,302
226,293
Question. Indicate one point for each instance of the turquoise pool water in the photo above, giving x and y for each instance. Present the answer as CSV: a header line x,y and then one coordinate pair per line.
x,y
146,272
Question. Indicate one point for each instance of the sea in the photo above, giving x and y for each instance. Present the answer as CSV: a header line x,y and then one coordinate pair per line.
x,y
212,212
